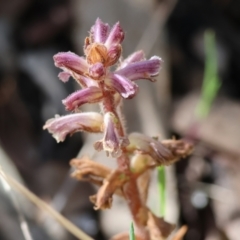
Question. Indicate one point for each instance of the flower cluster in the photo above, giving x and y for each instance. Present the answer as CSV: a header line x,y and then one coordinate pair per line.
x,y
135,153
101,85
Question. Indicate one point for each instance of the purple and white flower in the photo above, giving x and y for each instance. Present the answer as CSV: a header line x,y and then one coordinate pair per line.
x,y
60,127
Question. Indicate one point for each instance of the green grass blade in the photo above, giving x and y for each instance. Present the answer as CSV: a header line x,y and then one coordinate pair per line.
x,y
162,189
131,232
211,82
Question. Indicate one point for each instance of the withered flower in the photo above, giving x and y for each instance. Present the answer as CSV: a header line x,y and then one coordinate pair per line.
x,y
88,170
149,146
103,198
158,228
162,153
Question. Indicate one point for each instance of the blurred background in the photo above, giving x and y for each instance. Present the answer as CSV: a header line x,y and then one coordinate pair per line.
x,y
203,190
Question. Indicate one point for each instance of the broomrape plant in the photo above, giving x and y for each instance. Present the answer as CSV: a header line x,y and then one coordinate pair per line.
x,y
135,153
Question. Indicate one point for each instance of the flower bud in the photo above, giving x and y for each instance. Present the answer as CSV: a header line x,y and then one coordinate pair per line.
x,y
99,31
114,54
115,36
96,71
96,53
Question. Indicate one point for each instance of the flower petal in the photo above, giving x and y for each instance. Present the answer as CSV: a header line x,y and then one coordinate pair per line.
x,y
61,126
78,98
69,61
141,70
115,36
99,31
64,76
121,84
135,57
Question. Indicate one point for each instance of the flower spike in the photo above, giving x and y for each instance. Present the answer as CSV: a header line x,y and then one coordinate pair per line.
x,y
136,154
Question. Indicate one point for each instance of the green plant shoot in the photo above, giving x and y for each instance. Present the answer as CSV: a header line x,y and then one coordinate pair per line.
x,y
211,82
131,232
162,189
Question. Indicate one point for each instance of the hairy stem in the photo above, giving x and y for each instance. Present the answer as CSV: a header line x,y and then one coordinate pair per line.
x,y
130,191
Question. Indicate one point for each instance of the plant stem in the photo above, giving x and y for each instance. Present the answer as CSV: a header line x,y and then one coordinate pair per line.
x,y
131,232
130,190
162,189
211,82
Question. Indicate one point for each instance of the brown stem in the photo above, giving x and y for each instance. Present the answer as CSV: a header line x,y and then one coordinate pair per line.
x,y
132,196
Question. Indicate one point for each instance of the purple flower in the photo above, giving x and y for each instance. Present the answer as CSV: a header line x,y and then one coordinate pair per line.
x,y
96,71
115,36
111,142
134,68
70,62
144,69
60,127
122,85
102,50
99,31
78,98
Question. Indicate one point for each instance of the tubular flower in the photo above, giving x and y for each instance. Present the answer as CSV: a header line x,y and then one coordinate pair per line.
x,y
111,142
61,126
80,97
70,63
144,69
